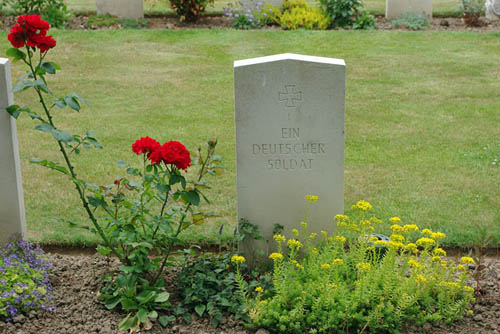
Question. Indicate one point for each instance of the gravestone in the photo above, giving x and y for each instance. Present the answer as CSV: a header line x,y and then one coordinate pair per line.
x,y
127,9
492,10
12,216
289,116
394,8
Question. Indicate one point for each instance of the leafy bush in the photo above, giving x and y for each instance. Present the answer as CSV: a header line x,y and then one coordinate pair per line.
x,y
24,280
364,21
308,18
411,21
53,11
99,21
345,282
342,13
248,15
189,10
471,11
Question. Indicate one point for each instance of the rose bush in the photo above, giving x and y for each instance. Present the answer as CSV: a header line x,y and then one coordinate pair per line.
x,y
138,216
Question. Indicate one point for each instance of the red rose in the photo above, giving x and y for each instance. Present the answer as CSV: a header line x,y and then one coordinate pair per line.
x,y
17,36
145,145
44,43
173,153
33,24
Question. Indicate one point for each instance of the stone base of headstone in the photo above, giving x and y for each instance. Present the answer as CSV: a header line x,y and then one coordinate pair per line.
x,y
12,216
394,8
492,10
128,9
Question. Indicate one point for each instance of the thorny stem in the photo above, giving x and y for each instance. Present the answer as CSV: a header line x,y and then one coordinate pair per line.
x,y
68,163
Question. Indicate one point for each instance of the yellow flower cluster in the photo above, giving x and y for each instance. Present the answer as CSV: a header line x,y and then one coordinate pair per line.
x,y
439,252
304,225
297,264
365,223
438,235
259,289
436,259
395,244
410,228
421,279
338,262
276,256
295,232
426,232
375,220
293,243
313,236
397,228
468,289
466,260
450,285
411,248
397,237
413,263
339,238
395,220
279,238
312,198
363,206
341,218
460,267
425,242
325,266
237,259
363,266
324,234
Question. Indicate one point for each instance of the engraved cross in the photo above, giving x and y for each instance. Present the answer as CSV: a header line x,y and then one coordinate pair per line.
x,y
290,95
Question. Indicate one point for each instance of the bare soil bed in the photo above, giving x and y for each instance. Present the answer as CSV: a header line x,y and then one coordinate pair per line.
x,y
76,283
81,22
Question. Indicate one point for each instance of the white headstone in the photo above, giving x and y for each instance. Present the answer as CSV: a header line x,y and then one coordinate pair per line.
x,y
289,141
128,9
12,216
492,10
394,8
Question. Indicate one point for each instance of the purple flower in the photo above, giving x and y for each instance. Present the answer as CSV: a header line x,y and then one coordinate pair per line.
x,y
236,15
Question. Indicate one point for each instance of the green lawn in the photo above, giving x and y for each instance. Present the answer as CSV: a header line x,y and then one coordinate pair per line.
x,y
422,118
440,7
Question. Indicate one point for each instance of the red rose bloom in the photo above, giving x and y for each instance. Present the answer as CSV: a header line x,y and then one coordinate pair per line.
x,y
17,36
33,24
173,153
44,43
145,145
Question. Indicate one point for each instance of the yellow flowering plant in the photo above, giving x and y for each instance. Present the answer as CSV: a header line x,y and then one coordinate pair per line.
x,y
351,278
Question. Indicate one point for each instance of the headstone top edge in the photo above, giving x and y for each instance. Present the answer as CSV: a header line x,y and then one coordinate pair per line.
x,y
4,61
288,56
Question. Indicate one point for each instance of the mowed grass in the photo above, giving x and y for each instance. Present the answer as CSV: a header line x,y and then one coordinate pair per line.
x,y
440,7
422,119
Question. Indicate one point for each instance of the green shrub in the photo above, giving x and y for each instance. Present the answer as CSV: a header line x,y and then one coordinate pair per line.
x,y
53,11
364,21
189,10
471,11
135,23
269,15
99,21
297,14
411,21
345,282
24,280
342,13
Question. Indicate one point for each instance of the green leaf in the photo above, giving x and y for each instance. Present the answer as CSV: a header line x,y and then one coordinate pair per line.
x,y
164,320
103,250
60,103
44,127
153,314
50,164
200,309
122,163
191,196
16,54
162,297
128,304
145,296
48,67
72,102
111,304
63,136
142,315
128,323
81,99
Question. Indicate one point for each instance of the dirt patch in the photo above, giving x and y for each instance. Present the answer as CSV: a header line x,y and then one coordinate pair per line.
x,y
76,285
81,22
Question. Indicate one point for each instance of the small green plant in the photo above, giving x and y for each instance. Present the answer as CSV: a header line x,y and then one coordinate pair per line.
x,y
248,15
471,12
342,13
135,24
304,17
364,21
341,282
99,21
24,279
189,10
411,21
53,11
